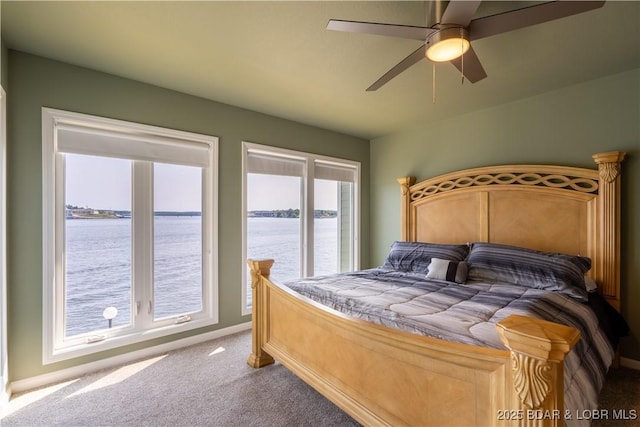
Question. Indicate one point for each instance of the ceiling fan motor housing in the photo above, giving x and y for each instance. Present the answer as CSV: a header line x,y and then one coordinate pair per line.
x,y
449,42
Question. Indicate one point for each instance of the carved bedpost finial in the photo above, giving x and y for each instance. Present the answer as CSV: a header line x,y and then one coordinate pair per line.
x,y
405,182
609,164
261,267
531,378
538,349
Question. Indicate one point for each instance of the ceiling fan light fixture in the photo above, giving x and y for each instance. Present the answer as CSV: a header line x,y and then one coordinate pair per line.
x,y
447,44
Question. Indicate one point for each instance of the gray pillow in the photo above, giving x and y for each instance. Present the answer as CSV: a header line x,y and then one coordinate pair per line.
x,y
416,256
492,262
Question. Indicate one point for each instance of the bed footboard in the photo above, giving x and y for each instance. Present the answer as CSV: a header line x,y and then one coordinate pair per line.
x,y
382,376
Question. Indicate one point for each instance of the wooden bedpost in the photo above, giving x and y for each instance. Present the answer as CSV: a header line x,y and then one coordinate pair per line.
x,y
259,269
405,182
538,349
607,272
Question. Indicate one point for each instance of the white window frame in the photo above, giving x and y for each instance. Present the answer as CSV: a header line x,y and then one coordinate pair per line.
x,y
143,326
307,200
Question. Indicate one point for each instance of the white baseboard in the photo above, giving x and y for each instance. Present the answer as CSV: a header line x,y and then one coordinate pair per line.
x,y
630,363
77,371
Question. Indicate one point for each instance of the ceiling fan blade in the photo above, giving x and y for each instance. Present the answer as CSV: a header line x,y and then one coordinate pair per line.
x,y
407,62
527,16
472,70
391,30
460,12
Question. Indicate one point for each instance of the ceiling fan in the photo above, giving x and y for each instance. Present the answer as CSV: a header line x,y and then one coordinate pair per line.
x,y
449,39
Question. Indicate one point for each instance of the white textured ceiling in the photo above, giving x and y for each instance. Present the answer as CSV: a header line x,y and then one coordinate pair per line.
x,y
278,58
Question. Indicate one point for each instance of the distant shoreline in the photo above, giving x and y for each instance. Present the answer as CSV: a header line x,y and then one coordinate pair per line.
x,y
290,213
125,214
88,213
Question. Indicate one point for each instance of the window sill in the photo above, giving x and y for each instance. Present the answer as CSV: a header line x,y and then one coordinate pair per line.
x,y
73,351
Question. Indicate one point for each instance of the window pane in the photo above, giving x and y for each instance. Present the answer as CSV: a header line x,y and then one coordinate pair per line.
x,y
325,227
333,238
273,223
97,242
177,248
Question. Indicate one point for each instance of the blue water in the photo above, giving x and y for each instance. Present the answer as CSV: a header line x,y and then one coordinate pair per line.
x,y
279,239
99,272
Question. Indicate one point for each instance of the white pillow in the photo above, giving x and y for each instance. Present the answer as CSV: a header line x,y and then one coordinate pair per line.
x,y
590,284
449,271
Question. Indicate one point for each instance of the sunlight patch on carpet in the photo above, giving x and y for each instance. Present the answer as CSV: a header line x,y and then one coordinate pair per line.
x,y
217,351
26,399
118,375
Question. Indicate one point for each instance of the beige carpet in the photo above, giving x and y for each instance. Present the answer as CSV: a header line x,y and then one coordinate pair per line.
x,y
210,384
620,400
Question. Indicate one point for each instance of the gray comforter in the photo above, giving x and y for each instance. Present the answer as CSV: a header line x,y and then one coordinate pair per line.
x,y
467,313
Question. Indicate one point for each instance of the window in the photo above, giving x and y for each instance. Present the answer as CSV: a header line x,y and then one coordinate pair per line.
x,y
130,246
301,210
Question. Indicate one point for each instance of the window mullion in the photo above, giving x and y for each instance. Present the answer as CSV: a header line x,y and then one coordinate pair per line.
x,y
59,251
308,220
142,217
343,241
209,204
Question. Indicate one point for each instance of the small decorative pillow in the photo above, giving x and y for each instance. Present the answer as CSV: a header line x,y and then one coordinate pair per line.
x,y
492,262
590,285
449,271
416,256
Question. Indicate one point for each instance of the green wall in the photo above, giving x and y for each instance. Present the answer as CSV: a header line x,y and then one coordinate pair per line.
x,y
562,127
4,68
3,57
36,82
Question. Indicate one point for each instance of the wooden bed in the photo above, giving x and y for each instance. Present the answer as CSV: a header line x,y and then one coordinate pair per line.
x,y
382,376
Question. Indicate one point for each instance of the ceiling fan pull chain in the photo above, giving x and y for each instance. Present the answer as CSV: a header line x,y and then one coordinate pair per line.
x,y
462,57
433,83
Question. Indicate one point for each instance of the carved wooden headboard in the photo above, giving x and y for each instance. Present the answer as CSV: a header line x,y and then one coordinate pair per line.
x,y
548,208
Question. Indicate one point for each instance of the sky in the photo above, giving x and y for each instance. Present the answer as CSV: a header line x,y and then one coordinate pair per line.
x,y
105,183
97,182
268,192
